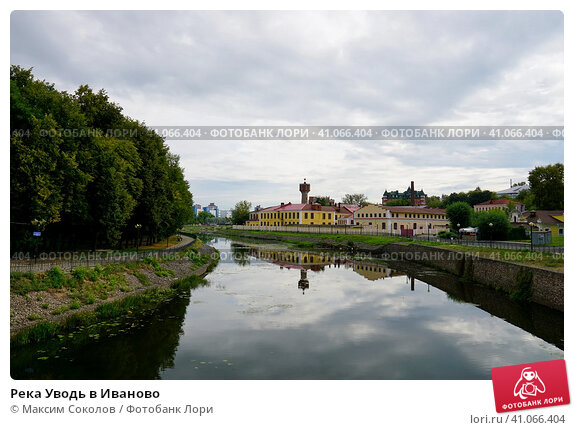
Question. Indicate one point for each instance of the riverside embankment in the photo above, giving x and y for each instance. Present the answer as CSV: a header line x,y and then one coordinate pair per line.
x,y
43,304
520,281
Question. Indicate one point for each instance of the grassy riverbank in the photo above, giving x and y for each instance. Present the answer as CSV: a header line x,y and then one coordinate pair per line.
x,y
43,305
370,243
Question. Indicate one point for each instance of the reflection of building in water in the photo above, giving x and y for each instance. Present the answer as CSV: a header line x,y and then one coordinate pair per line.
x,y
374,271
303,282
294,259
300,260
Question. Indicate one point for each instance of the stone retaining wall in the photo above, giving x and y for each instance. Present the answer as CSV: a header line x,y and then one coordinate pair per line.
x,y
546,286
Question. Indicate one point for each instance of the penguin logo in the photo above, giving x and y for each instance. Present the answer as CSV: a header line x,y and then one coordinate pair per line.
x,y
529,384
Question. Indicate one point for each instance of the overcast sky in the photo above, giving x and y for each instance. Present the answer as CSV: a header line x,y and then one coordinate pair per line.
x,y
317,68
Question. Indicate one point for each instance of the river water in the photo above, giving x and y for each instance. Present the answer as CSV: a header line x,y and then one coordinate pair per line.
x,y
267,312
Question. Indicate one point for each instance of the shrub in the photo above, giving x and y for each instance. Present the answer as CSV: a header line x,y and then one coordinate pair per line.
x,y
55,277
23,283
446,235
142,277
75,304
80,273
499,221
517,233
59,310
94,273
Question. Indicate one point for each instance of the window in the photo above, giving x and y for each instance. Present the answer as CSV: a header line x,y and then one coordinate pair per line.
x,y
306,215
384,226
323,217
312,216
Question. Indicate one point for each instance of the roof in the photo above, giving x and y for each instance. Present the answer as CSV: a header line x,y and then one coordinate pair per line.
x,y
411,209
351,208
558,217
416,210
494,202
513,190
298,207
545,216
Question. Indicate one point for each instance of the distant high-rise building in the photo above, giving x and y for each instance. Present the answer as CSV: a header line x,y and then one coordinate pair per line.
x,y
197,209
212,209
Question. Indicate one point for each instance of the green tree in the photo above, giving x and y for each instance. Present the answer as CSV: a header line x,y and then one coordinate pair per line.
x,y
355,199
459,213
89,172
434,202
205,217
547,186
526,197
240,214
323,200
399,202
500,224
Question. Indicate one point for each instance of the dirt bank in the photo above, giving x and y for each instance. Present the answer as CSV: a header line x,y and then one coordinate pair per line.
x,y
57,304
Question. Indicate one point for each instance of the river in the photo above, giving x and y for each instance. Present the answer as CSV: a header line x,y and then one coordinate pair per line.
x,y
267,312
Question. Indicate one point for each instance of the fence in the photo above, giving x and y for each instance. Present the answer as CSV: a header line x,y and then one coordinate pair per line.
x,y
70,260
429,235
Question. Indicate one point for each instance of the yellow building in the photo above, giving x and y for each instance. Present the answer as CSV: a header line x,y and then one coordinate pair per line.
x,y
402,220
293,214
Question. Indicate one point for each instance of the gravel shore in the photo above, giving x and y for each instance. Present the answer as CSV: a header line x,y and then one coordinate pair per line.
x,y
28,310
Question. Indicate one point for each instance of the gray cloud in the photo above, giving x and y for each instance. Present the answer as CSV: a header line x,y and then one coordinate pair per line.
x,y
318,68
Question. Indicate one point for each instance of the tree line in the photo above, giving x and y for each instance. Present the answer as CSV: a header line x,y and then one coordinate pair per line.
x,y
84,174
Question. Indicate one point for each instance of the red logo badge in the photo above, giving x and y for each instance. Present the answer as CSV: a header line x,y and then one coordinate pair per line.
x,y
528,386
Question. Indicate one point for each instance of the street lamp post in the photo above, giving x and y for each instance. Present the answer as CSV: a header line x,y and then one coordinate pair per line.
x,y
138,227
531,224
490,231
458,232
38,225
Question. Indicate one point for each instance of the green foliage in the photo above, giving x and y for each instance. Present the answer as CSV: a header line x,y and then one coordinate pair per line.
x,y
523,284
240,214
55,278
434,202
472,197
446,235
399,202
205,217
547,186
157,268
80,273
59,310
517,233
500,224
94,273
355,199
323,200
459,213
75,304
143,278
25,282
92,185
39,332
526,197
